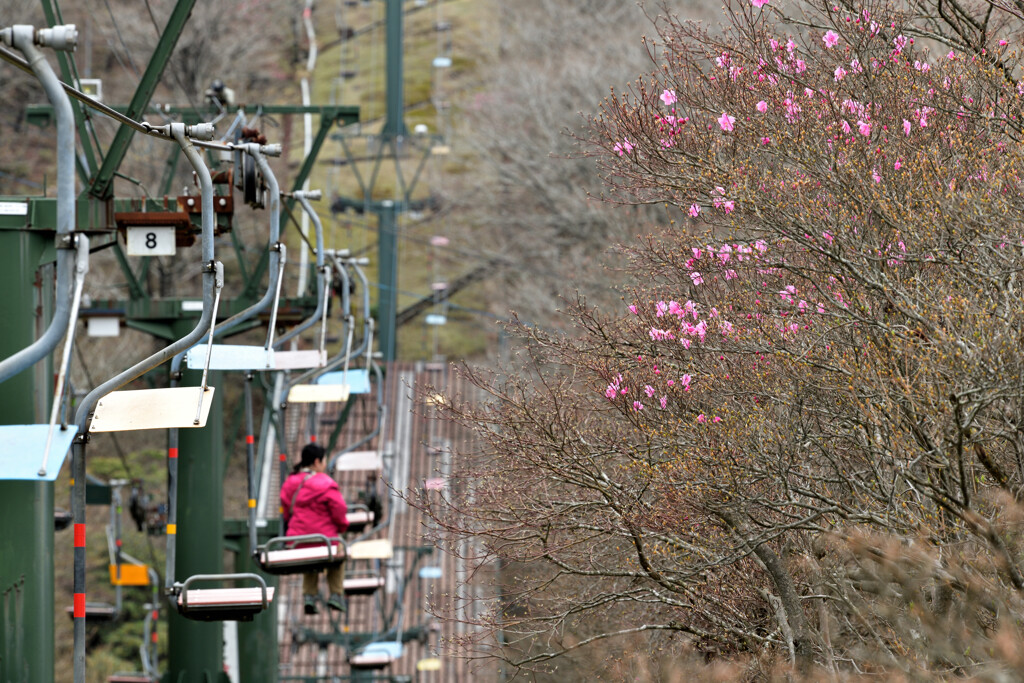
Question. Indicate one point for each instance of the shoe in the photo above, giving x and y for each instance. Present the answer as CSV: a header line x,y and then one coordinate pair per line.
x,y
337,602
309,603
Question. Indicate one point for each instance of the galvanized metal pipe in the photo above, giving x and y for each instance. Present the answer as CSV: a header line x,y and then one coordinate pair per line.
x,y
321,287
25,38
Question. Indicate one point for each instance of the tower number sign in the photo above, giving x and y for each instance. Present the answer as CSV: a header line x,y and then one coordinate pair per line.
x,y
151,240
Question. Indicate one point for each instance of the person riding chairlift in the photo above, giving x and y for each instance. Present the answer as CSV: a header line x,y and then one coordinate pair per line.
x,y
311,503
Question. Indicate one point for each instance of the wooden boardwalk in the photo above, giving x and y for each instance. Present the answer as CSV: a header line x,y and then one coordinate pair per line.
x,y
416,453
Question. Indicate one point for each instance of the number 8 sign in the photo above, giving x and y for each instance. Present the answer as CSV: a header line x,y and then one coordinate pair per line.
x,y
151,241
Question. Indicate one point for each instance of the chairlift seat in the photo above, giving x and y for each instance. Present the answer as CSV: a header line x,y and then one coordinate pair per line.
x,y
327,553
358,380
358,461
96,611
376,655
22,448
129,678
299,360
429,664
318,393
377,549
230,357
430,573
131,575
223,604
122,411
363,585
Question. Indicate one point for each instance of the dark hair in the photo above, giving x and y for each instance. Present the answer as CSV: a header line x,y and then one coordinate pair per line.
x,y
310,454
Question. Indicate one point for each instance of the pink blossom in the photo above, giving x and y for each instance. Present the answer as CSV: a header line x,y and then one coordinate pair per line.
x,y
726,121
759,3
951,55
649,390
694,211
624,147
638,406
671,382
831,39
697,279
828,237
762,106
766,141
864,128
660,308
1002,42
801,66
730,274
845,127
875,176
701,418
840,73
664,399
611,392
716,419
897,165
906,127
685,380
669,97
729,206
696,250
632,309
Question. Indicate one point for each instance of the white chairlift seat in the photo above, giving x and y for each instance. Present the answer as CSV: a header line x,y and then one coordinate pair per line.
x,y
363,585
326,553
23,448
223,604
358,380
359,461
129,678
230,357
376,655
299,360
122,411
252,358
318,393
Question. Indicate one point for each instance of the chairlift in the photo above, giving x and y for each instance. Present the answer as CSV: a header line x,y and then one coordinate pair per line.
x,y
268,357
363,575
325,553
222,604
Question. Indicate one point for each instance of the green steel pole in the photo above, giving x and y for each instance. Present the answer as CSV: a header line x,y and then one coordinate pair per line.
x,y
394,122
195,648
257,639
103,184
26,508
387,269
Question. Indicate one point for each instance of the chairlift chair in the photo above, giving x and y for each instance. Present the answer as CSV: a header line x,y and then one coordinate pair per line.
x,y
326,553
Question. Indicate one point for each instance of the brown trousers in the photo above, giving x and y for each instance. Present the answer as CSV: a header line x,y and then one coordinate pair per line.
x,y
335,580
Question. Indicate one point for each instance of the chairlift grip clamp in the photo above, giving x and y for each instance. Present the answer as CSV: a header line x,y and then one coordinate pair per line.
x,y
66,241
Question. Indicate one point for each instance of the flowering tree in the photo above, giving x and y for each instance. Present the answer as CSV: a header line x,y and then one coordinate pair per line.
x,y
804,435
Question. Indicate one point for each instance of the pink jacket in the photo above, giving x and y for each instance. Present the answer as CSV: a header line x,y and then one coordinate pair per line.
x,y
319,508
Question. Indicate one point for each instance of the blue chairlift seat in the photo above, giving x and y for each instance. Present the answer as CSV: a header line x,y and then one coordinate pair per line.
x,y
430,573
22,450
358,381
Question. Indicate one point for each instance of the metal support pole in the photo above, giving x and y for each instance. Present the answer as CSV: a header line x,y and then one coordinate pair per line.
x,y
387,269
26,508
195,648
257,639
394,121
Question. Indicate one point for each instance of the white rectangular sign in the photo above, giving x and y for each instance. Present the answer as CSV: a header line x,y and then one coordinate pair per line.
x,y
13,208
151,241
